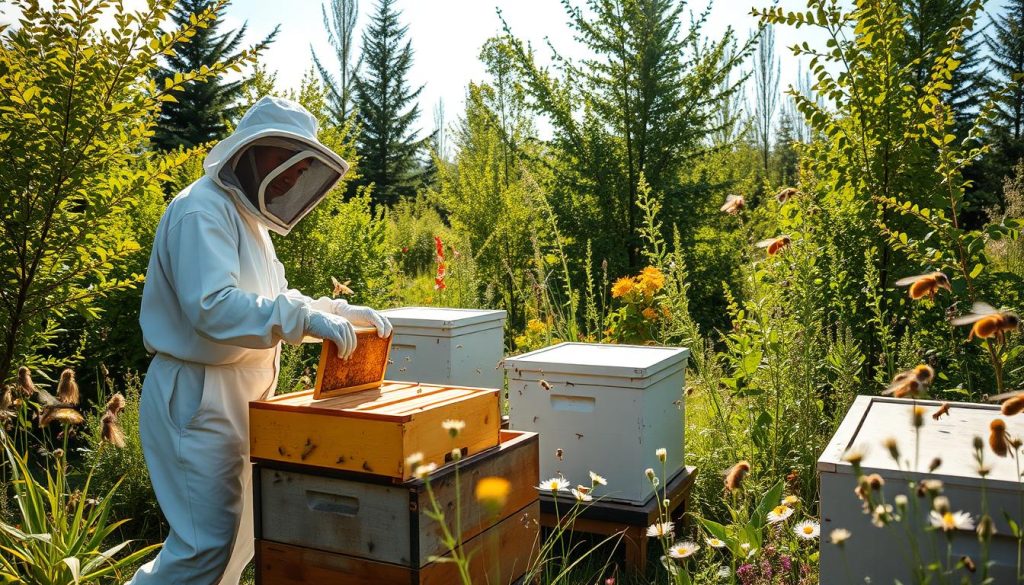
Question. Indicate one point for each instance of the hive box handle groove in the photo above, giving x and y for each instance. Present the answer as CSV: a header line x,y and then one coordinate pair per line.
x,y
563,403
332,503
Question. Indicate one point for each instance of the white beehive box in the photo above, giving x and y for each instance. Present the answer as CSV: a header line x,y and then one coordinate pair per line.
x,y
884,554
433,345
607,407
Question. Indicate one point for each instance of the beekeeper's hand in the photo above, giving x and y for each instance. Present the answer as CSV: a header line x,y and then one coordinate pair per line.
x,y
334,328
362,316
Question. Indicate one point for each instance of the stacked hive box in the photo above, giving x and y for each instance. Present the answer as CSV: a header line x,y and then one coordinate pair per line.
x,y
884,555
605,408
336,502
447,346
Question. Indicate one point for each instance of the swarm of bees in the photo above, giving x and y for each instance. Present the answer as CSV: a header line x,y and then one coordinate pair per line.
x,y
924,285
733,204
775,245
988,323
912,383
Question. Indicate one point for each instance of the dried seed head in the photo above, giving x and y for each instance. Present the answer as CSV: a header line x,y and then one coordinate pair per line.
x,y
875,481
28,389
986,528
1014,405
734,478
932,487
116,404
997,438
918,417
978,443
67,388
61,414
111,431
934,464
854,455
649,473
893,447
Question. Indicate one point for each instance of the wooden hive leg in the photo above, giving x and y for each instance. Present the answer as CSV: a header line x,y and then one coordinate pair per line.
x,y
636,549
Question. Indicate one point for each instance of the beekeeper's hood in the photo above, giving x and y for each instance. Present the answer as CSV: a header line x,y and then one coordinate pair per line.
x,y
301,172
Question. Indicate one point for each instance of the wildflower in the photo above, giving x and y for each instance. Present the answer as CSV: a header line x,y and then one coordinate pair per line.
x,y
951,520
116,403
986,528
901,501
622,287
650,314
596,479
493,492
747,550
456,454
662,454
111,431
807,529
839,536
413,461
855,455
554,485
453,426
67,388
918,416
64,415
660,529
1014,405
724,572
997,438
651,280
875,481
715,543
779,513
422,471
941,505
790,500
649,473
893,447
734,478
581,495
25,382
881,515
681,550
984,470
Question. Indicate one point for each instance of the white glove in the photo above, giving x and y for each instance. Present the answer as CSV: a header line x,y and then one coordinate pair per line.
x,y
362,316
334,328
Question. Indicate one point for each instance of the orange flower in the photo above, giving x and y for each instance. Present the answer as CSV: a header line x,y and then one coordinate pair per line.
x,y
493,492
622,287
651,280
649,313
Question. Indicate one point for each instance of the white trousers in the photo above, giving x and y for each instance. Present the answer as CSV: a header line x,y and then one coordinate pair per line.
x,y
194,427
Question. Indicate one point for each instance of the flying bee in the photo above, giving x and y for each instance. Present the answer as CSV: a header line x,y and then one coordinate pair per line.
x,y
1014,402
913,383
774,245
341,287
925,284
988,322
733,204
786,194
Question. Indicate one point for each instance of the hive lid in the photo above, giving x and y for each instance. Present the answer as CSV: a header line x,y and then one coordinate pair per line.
x,y
364,370
442,318
872,419
598,359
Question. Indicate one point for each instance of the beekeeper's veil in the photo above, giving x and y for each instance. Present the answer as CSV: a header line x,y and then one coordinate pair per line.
x,y
305,170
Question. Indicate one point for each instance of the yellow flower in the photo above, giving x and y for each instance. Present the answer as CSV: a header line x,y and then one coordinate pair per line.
x,y
622,287
649,313
492,492
651,280
535,326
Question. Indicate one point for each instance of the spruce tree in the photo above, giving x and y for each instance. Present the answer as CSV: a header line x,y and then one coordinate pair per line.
x,y
340,24
388,145
202,109
1006,56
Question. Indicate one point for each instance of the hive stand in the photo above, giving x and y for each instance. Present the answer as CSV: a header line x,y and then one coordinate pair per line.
x,y
631,521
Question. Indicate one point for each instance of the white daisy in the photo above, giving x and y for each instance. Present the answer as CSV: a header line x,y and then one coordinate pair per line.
x,y
659,529
839,536
423,471
681,550
453,426
662,454
597,479
715,543
779,514
582,496
808,529
555,484
951,520
414,460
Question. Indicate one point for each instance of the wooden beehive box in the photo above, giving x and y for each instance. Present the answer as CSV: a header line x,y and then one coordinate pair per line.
x,y
334,528
882,554
373,431
447,346
606,408
362,371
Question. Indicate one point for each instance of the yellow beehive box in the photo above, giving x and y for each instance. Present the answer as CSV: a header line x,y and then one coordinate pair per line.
x,y
373,431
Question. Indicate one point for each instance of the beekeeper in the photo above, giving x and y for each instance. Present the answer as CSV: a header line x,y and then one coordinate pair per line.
x,y
215,309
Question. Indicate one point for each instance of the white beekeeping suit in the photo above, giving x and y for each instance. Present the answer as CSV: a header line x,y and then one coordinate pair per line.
x,y
215,309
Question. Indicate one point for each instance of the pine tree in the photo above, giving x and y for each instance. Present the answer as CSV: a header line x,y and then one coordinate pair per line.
x,y
202,109
766,92
1006,55
340,24
388,145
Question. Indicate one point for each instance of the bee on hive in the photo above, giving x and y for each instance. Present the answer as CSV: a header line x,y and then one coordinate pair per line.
x,y
774,245
988,322
913,383
924,285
